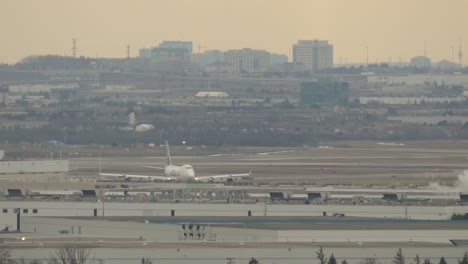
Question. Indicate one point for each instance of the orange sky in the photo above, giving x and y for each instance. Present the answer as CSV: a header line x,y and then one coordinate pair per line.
x,y
395,29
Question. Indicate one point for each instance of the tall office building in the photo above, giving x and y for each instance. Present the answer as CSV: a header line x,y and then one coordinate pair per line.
x,y
173,51
208,57
315,55
187,45
169,55
248,60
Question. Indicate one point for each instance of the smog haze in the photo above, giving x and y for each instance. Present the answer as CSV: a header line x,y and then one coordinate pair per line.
x,y
391,30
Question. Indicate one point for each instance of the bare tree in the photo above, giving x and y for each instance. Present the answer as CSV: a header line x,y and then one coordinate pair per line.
x,y
253,261
370,260
146,261
442,261
417,260
5,257
399,258
464,260
321,256
73,254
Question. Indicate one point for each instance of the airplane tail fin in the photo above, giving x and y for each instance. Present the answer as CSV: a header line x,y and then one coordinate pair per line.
x,y
168,155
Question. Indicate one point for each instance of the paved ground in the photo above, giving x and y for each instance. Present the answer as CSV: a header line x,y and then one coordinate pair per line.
x,y
356,163
300,223
348,163
204,244
342,162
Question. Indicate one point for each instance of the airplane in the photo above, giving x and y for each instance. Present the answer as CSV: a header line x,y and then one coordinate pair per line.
x,y
184,173
55,143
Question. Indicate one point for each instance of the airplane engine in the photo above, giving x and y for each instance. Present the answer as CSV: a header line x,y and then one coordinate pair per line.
x,y
229,181
124,177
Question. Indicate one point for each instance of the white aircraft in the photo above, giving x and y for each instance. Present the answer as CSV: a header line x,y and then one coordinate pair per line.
x,y
184,173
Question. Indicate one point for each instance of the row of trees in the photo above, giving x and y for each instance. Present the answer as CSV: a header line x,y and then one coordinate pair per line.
x,y
399,258
75,254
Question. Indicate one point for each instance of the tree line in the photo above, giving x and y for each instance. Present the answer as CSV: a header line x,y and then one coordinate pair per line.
x,y
75,254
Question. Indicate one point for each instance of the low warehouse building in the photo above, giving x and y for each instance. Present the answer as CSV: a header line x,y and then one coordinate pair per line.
x,y
204,94
34,170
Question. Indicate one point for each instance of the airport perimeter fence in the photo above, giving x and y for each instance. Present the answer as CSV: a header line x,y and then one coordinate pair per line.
x,y
234,260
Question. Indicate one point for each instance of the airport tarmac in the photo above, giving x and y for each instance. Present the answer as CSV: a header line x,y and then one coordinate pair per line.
x,y
342,162
375,164
297,222
392,165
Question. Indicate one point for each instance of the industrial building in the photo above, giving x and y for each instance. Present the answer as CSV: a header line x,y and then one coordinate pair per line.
x,y
161,222
105,207
34,170
315,55
177,231
4,94
324,93
421,62
206,94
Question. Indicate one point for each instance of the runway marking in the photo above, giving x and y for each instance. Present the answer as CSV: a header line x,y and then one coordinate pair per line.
x,y
275,152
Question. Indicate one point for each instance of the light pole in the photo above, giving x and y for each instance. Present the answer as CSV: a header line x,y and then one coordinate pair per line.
x,y
17,211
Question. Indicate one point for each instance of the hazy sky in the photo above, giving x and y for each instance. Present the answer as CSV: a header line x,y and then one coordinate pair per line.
x,y
391,29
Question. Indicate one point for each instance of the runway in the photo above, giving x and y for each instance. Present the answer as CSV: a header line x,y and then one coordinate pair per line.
x,y
375,164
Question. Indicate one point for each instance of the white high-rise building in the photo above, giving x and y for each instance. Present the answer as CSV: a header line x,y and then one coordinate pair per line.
x,y
315,55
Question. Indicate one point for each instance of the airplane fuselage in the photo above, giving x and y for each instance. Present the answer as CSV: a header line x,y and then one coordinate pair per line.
x,y
184,172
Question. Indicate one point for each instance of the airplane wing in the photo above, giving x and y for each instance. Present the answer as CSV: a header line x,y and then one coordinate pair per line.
x,y
153,167
222,177
134,176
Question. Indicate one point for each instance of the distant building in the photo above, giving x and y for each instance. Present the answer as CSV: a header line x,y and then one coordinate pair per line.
x,y
421,62
169,54
278,59
206,94
209,57
4,94
221,67
186,45
287,67
446,64
144,128
315,55
248,60
145,53
324,93
34,171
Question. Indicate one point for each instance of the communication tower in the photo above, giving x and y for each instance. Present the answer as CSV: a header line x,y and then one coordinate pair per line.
x,y
460,55
74,47
367,56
